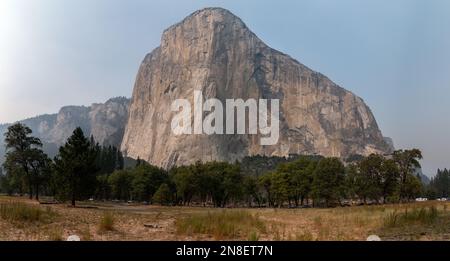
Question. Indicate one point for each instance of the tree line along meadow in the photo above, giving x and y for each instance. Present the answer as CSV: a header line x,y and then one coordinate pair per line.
x,y
85,170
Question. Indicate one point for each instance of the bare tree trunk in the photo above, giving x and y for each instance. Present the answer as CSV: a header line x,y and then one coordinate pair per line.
x,y
30,191
73,198
30,185
37,191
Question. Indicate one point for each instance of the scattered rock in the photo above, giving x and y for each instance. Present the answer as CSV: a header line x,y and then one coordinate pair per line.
x,y
373,238
73,238
151,226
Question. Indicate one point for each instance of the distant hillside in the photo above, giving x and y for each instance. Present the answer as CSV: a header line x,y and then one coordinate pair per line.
x,y
105,121
425,179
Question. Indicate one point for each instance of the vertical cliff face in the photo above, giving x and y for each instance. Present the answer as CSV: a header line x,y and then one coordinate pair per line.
x,y
213,51
105,121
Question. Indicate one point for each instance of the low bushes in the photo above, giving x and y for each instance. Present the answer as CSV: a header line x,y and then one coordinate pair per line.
x,y
423,215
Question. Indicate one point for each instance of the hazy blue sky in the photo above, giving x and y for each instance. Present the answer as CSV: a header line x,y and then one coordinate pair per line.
x,y
395,54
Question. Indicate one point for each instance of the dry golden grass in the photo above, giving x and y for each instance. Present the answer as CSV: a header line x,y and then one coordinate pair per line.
x,y
55,234
19,212
137,222
225,224
357,223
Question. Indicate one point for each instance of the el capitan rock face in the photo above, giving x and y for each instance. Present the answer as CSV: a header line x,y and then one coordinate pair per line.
x,y
213,51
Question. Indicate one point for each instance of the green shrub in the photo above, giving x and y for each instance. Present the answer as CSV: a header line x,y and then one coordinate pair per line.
x,y
107,222
304,236
422,215
253,236
163,195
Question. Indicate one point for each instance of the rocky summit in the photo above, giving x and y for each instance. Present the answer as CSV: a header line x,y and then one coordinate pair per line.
x,y
214,52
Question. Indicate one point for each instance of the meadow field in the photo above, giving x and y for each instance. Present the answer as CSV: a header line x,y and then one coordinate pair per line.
x,y
23,219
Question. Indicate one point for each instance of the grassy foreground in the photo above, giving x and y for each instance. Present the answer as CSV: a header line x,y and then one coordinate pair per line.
x,y
22,219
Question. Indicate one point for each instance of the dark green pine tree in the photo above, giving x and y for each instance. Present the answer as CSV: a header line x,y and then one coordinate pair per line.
x,y
76,167
112,159
20,146
102,159
138,162
108,160
120,160
440,184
